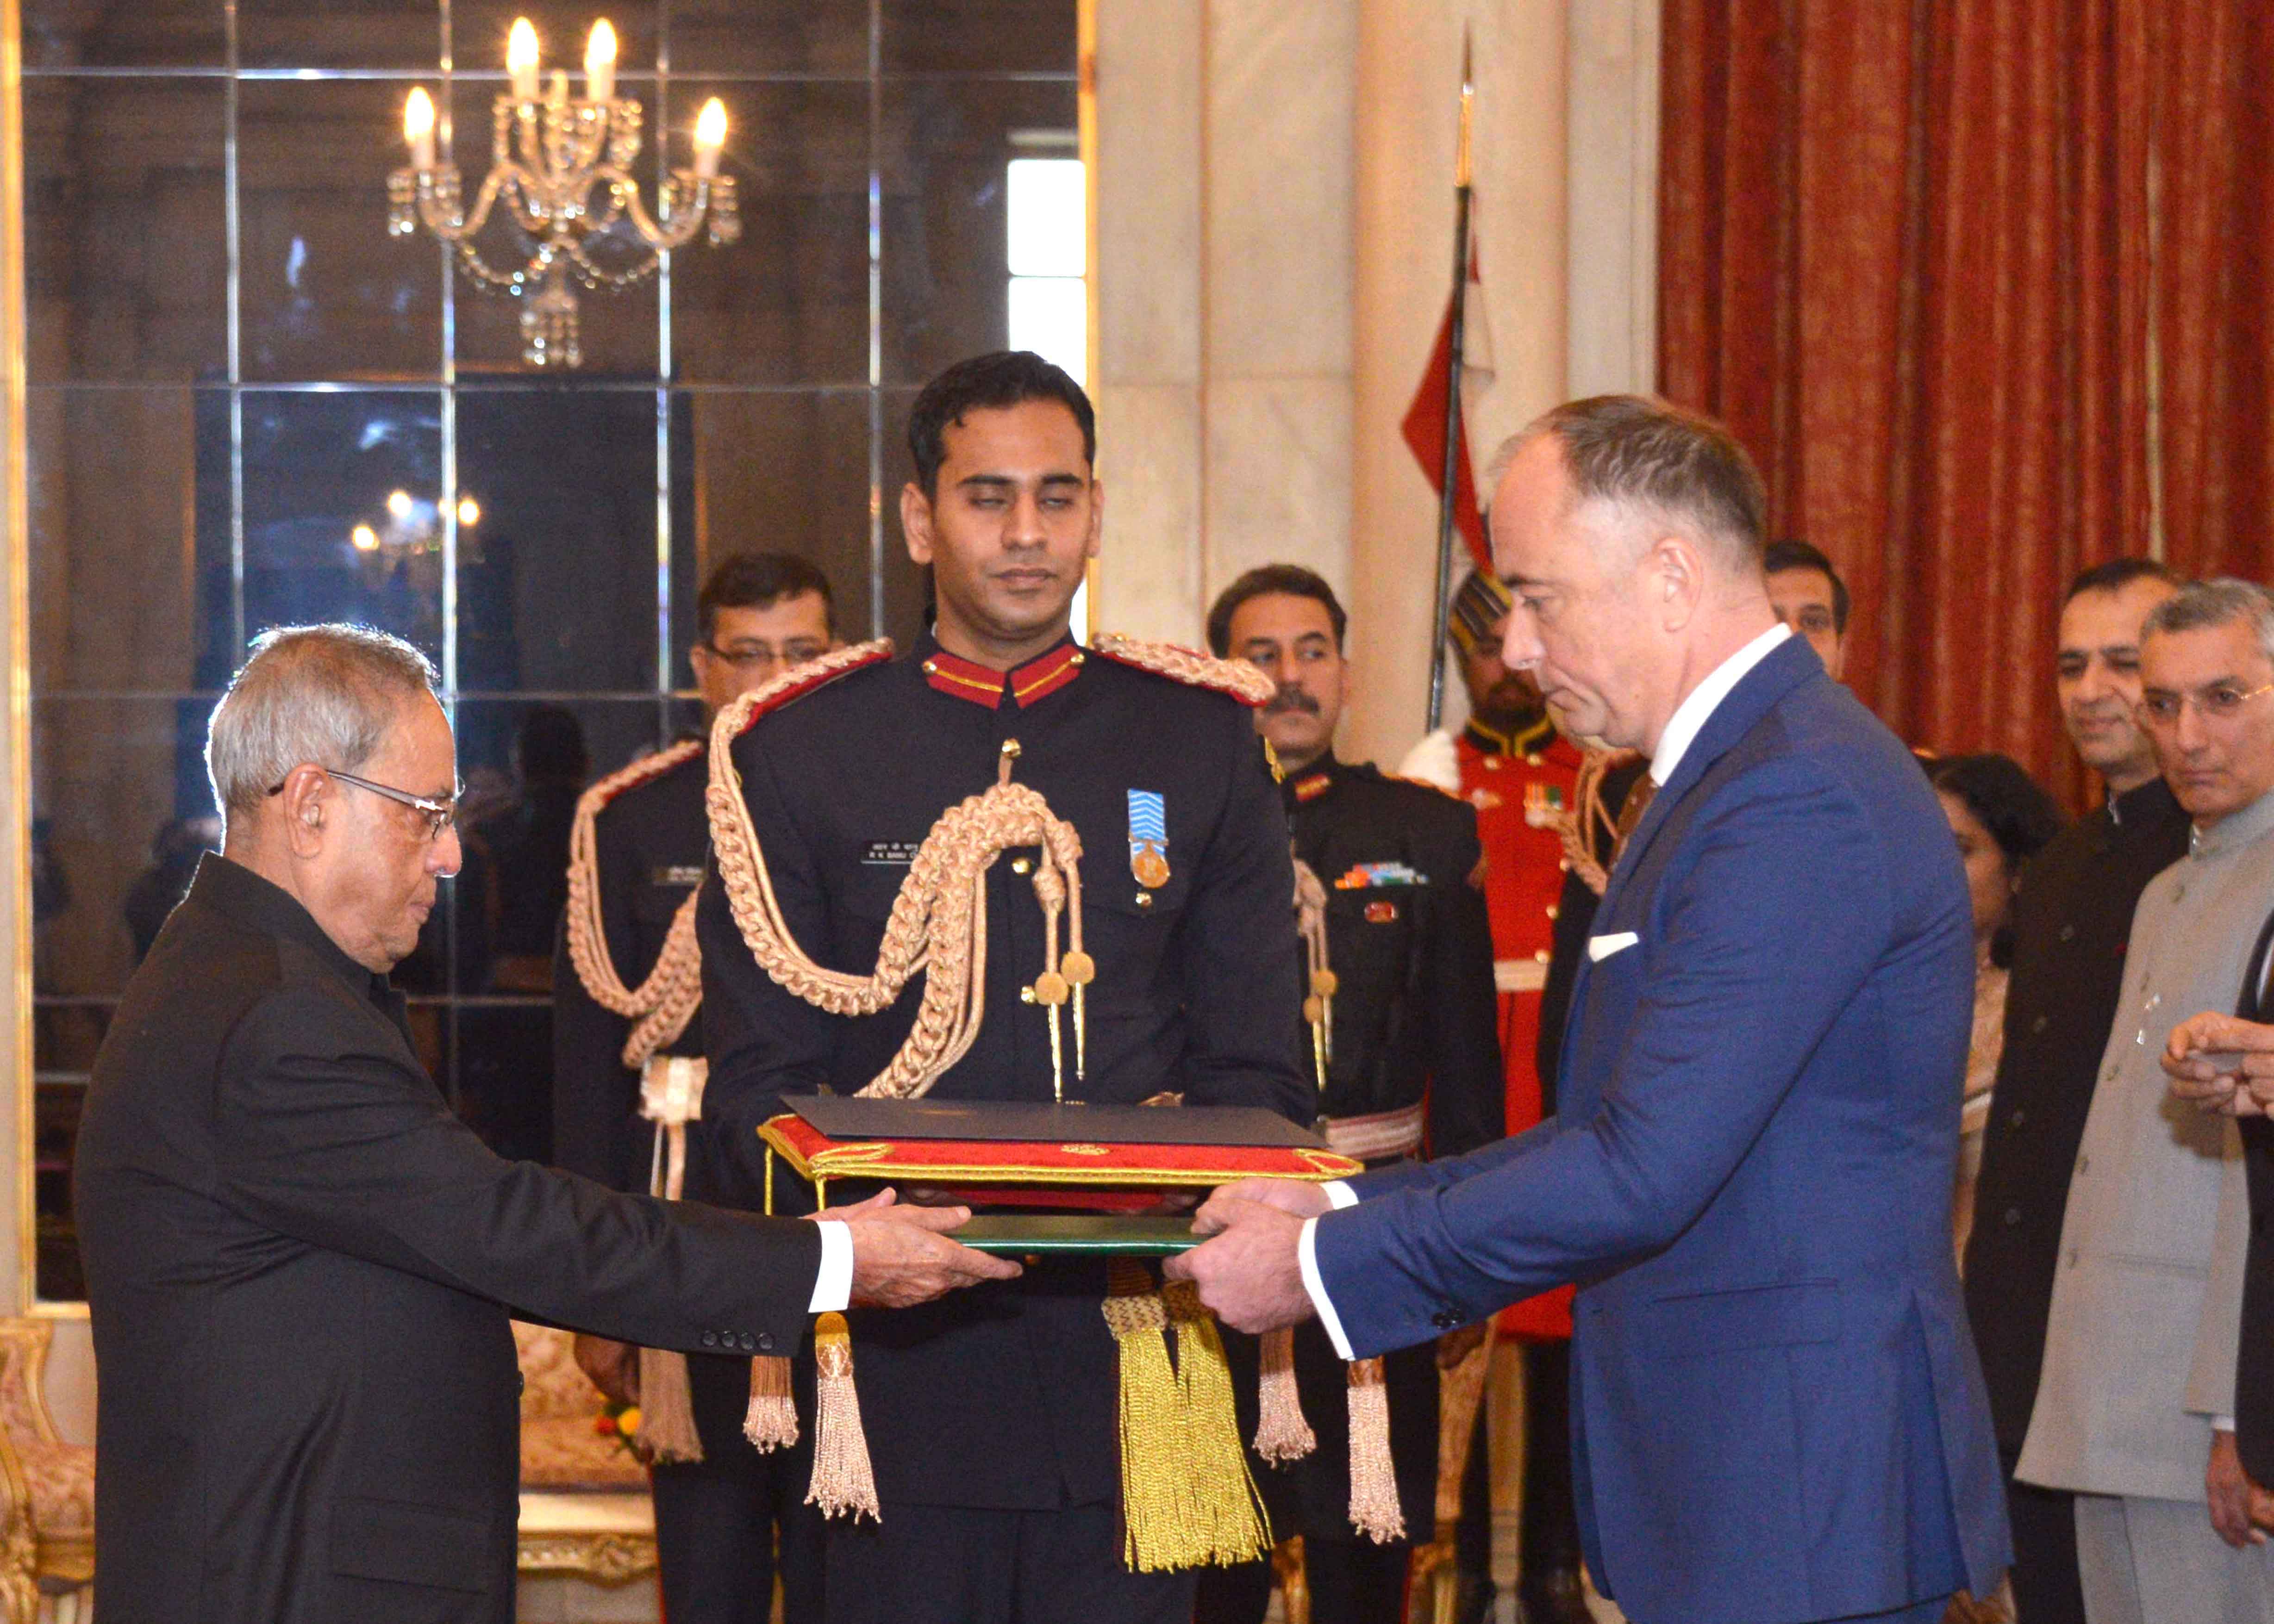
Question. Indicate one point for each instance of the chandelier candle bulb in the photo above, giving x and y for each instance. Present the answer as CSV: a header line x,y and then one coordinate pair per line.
x,y
418,129
710,136
600,62
521,59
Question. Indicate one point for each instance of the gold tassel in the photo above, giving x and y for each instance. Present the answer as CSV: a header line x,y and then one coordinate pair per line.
x,y
1158,1517
1374,1508
666,1408
1282,1434
770,1422
843,1481
1232,1523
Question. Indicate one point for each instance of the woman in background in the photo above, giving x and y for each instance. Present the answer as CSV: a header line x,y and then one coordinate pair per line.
x,y
2001,820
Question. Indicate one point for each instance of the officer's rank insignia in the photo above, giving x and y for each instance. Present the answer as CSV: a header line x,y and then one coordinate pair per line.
x,y
1148,838
1311,787
1543,805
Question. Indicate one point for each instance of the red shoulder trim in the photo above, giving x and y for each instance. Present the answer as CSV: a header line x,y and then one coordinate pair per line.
x,y
735,719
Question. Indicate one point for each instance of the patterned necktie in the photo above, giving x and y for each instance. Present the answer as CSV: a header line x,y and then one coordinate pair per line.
x,y
1637,802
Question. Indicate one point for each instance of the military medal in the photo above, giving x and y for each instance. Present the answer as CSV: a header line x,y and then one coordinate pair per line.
x,y
1148,838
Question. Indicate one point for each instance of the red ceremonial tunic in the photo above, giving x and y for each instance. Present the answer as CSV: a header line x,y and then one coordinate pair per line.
x,y
1522,787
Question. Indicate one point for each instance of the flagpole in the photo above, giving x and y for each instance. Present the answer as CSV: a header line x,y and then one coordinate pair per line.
x,y
1448,481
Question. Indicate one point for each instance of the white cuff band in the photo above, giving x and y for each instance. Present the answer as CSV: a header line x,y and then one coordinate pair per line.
x,y
1307,1253
833,1286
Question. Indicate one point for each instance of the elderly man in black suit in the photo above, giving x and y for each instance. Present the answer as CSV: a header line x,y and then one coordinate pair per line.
x,y
300,1265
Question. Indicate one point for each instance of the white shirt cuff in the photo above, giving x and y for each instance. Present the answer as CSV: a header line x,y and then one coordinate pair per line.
x,y
2222,1424
1339,1193
1307,1253
833,1286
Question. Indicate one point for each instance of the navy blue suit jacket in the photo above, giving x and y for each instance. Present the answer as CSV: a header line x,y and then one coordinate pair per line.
x,y
1777,1411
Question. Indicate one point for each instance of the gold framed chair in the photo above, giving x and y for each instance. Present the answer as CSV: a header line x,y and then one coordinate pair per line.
x,y
47,1485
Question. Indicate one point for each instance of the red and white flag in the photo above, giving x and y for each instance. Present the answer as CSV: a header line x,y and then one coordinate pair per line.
x,y
1425,420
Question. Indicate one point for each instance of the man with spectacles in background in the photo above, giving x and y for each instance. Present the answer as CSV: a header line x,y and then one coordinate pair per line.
x,y
717,1518
2137,1389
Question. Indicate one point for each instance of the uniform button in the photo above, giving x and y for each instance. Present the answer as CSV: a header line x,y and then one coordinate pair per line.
x,y
1491,764
749,1343
1026,995
710,1339
1541,956
1564,864
1020,865
2041,1022
765,1342
2068,933
1144,898
1552,911
2013,1216
2017,1118
1445,1319
1534,761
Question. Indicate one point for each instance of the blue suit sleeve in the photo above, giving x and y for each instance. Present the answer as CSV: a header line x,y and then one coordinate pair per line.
x,y
1727,1016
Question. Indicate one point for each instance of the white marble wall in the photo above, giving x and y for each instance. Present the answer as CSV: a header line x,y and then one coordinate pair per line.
x,y
1275,219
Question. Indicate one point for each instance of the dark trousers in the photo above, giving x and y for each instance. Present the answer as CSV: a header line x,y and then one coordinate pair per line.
x,y
1351,1582
954,1565
2046,1588
717,1520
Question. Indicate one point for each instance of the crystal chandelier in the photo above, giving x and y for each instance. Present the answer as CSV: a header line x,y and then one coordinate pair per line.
x,y
562,165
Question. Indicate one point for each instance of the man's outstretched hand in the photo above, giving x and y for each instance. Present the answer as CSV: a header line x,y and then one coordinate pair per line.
x,y
2222,1064
901,1256
1293,1196
1249,1273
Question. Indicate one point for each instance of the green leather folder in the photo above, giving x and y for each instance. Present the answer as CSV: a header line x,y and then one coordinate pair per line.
x,y
1119,1235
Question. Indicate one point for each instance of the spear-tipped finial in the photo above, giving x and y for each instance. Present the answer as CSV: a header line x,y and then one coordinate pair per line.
x,y
1468,102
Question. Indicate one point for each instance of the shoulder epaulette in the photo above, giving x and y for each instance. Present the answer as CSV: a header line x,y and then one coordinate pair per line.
x,y
1236,677
646,769
735,718
1434,787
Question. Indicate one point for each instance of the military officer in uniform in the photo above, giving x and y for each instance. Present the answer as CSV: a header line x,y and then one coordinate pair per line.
x,y
1522,777
1412,1065
716,1518
993,1430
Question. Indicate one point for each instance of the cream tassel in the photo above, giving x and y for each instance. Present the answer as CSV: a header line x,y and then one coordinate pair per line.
x,y
843,1482
1233,1525
1282,1434
770,1422
666,1408
671,1096
1374,1508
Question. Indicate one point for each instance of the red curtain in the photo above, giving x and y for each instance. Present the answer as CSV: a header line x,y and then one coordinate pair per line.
x,y
1984,289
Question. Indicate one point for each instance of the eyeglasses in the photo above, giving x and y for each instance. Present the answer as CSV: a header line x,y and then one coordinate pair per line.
x,y
439,815
2162,707
759,657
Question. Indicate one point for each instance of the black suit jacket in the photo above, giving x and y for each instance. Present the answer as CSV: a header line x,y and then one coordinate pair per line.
x,y
2254,1372
299,1266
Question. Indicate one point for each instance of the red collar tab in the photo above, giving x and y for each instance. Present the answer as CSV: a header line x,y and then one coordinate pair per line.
x,y
832,666
984,686
1312,786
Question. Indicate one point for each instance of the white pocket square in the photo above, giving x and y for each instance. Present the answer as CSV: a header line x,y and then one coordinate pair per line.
x,y
1600,948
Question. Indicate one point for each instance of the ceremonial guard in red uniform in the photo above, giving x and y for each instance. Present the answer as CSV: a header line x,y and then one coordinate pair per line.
x,y
721,1507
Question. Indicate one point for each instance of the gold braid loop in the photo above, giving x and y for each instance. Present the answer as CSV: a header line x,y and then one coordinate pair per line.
x,y
938,922
663,1004
1590,826
1318,991
1236,677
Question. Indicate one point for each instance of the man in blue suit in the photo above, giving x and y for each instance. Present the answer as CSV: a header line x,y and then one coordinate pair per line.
x,y
1777,1413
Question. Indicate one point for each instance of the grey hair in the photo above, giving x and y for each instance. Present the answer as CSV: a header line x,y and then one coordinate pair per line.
x,y
1653,459
2218,602
321,694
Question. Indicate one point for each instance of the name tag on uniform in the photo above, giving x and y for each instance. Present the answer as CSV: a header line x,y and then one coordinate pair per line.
x,y
900,851
676,874
1600,948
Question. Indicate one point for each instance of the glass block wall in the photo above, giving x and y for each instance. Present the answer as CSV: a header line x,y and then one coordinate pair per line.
x,y
249,405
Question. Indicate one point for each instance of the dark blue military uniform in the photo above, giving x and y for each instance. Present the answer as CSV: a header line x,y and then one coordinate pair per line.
x,y
1416,1036
991,1415
716,1519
